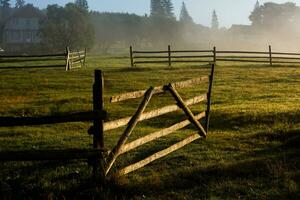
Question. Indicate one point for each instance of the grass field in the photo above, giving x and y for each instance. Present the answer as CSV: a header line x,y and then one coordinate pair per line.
x,y
252,150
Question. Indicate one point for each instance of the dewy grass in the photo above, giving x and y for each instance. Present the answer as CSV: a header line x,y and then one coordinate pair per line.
x,y
252,149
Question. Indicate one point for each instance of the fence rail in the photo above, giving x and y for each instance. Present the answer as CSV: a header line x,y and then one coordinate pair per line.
x,y
72,60
123,146
97,115
211,56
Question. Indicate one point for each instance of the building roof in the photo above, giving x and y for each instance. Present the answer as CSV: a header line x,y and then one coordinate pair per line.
x,y
240,28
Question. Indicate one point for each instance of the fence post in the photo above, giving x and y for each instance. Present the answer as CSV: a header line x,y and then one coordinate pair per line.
x,y
207,115
67,58
215,55
98,105
169,55
84,56
131,56
270,54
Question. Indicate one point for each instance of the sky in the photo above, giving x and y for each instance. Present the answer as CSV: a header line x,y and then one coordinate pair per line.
x,y
229,11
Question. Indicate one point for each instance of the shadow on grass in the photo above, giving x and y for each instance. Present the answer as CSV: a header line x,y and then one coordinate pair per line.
x,y
226,121
271,172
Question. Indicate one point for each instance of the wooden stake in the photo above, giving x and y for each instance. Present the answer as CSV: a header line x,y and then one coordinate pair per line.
x,y
67,58
215,55
131,125
169,55
98,105
131,56
84,56
186,110
270,55
211,79
97,129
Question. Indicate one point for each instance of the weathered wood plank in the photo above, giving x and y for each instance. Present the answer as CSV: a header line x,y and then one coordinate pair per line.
x,y
158,90
240,60
150,52
151,61
156,156
40,155
242,52
131,125
154,113
63,118
32,56
192,61
192,51
186,110
161,133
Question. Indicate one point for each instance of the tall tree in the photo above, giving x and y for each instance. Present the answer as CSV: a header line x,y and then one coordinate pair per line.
x,y
274,16
214,21
20,3
255,16
156,8
168,8
67,26
82,4
4,9
184,15
5,3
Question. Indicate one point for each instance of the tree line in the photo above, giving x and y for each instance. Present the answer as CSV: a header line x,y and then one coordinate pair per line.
x,y
76,26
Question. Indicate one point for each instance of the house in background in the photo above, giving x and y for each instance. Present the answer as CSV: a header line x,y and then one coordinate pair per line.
x,y
21,29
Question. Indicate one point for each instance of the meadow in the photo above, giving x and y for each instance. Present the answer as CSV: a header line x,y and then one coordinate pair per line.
x,y
252,150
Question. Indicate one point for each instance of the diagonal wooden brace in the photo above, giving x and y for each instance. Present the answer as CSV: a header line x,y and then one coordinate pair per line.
x,y
131,125
186,110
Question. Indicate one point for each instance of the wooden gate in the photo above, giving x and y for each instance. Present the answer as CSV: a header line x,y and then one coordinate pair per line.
x,y
122,146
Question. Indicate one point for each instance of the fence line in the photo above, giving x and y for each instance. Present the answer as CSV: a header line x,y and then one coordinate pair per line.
x,y
211,56
97,115
72,60
75,60
107,158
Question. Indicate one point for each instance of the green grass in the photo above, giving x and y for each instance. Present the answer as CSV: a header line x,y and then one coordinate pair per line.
x,y
252,150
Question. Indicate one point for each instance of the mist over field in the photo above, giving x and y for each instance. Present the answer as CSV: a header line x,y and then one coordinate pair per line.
x,y
156,103
112,33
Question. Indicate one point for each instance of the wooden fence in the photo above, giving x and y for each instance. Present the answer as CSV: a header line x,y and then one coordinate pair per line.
x,y
98,153
75,59
211,56
72,60
97,115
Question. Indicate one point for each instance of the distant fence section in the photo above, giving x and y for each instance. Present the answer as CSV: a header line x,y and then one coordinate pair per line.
x,y
211,56
69,59
75,59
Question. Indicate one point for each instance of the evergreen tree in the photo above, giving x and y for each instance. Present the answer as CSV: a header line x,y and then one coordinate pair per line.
x,y
184,15
214,21
256,15
19,3
4,9
157,9
5,3
168,8
82,4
